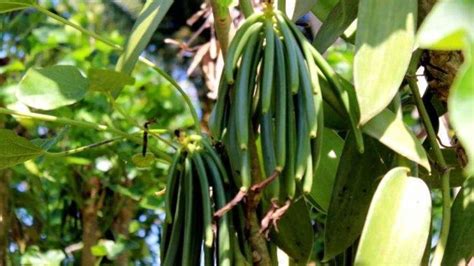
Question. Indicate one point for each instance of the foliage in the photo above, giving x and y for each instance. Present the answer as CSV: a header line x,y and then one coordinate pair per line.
x,y
313,150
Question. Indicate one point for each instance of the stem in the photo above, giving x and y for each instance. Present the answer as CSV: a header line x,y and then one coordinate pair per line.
x,y
83,148
246,7
443,237
83,124
141,58
439,251
222,21
173,82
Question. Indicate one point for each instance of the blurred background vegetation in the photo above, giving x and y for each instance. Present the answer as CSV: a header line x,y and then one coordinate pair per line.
x,y
98,199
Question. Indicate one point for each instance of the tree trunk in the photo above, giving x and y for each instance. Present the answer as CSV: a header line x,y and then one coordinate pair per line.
x,y
121,224
90,227
4,214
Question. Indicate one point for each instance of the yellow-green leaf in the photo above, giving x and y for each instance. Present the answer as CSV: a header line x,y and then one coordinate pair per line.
x,y
398,222
52,87
384,44
12,5
15,149
141,161
390,130
147,22
449,26
461,107
460,245
107,80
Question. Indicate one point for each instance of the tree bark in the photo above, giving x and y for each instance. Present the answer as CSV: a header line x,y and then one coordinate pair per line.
x,y
121,224
90,227
4,214
441,68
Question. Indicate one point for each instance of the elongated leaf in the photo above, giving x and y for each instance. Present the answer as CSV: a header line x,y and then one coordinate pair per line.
x,y
322,8
356,181
340,17
108,80
398,222
147,22
326,173
461,107
12,5
460,245
52,87
392,132
15,149
295,233
295,9
384,43
449,26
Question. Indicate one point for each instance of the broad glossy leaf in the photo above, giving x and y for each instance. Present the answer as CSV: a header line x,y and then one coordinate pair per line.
x,y
12,5
297,8
392,132
326,173
52,87
147,22
384,44
295,233
107,80
15,149
449,26
340,17
461,107
398,222
356,180
460,245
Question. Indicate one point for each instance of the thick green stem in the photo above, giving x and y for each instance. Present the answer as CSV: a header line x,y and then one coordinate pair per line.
x,y
83,124
246,7
142,59
443,238
222,21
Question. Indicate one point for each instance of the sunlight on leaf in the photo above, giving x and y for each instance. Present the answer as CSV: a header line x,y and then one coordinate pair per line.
x,y
52,87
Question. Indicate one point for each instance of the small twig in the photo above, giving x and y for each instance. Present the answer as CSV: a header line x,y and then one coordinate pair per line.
x,y
259,186
236,200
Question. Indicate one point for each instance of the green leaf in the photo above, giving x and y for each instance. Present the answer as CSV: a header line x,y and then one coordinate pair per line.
x,y
15,149
392,132
325,175
107,248
147,22
460,245
398,222
340,17
107,80
322,8
52,87
449,26
461,107
12,5
295,9
141,161
384,44
356,181
295,233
